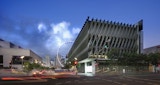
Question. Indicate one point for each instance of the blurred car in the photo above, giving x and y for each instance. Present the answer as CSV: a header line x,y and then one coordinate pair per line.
x,y
42,72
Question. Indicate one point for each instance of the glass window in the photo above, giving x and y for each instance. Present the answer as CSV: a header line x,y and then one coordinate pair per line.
x,y
16,60
89,63
1,58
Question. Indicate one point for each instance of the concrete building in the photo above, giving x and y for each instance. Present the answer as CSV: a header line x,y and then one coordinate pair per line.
x,y
99,37
13,56
47,61
153,49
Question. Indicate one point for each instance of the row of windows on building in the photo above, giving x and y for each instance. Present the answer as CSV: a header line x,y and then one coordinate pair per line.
x,y
16,60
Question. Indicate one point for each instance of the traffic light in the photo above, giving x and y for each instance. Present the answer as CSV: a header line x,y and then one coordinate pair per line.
x,y
105,46
75,62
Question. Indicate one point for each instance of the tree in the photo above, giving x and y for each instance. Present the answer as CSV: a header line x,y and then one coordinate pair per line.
x,y
153,58
133,60
27,66
113,54
30,66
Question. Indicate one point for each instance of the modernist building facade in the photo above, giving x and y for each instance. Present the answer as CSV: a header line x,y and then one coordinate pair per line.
x,y
99,37
13,56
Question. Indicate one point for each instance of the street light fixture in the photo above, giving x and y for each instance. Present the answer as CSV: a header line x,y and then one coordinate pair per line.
x,y
22,57
75,58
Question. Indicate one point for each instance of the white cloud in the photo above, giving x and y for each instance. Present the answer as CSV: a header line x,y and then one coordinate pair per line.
x,y
61,32
76,30
58,34
67,35
60,27
58,41
41,27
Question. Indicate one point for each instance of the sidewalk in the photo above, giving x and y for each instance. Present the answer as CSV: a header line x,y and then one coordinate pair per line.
x,y
4,72
13,74
116,73
126,73
98,74
86,74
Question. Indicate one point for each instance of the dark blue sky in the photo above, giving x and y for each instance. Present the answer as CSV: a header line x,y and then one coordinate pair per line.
x,y
43,25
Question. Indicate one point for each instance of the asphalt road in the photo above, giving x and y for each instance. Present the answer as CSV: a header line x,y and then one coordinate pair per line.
x,y
147,79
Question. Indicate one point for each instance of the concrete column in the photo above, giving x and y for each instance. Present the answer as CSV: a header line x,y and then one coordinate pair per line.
x,y
85,66
93,67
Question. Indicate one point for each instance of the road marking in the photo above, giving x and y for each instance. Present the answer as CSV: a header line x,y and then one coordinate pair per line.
x,y
76,80
142,79
88,81
58,83
97,78
109,80
84,79
114,82
24,81
67,81
117,82
155,84
53,78
152,83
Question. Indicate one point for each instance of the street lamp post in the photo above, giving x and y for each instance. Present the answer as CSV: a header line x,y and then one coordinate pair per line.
x,y
22,57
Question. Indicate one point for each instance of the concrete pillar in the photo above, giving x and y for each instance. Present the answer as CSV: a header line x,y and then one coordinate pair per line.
x,y
85,67
93,67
